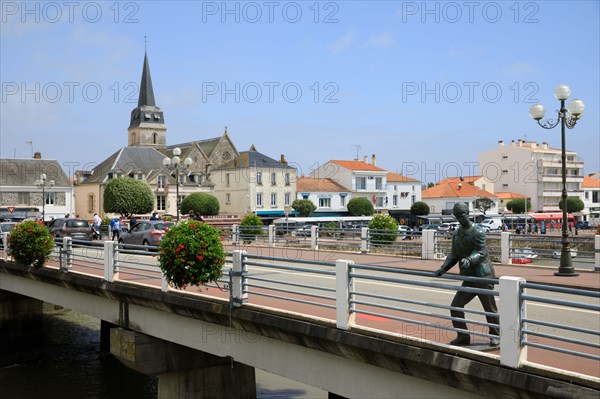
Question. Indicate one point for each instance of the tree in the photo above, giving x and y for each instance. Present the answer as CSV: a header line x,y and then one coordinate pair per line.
x,y
517,205
419,208
360,206
384,229
574,204
128,196
483,204
250,227
304,207
200,203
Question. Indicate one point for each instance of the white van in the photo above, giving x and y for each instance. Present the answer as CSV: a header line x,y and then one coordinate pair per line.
x,y
492,224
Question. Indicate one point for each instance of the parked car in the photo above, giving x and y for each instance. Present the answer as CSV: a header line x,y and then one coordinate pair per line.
x,y
429,227
405,232
303,231
556,254
492,224
582,225
77,229
5,227
147,233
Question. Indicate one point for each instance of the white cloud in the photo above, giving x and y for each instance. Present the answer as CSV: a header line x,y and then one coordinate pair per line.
x,y
384,40
520,68
343,43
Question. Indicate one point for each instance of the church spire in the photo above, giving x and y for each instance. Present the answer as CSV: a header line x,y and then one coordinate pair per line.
x,y
146,91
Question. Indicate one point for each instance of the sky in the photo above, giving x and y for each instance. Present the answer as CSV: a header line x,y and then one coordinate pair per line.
x,y
425,86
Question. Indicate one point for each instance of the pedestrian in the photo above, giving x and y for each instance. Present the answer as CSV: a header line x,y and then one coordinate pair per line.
x,y
469,250
115,227
132,222
153,217
97,221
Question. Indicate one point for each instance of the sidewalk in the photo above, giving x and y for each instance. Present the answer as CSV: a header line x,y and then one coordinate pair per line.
x,y
586,279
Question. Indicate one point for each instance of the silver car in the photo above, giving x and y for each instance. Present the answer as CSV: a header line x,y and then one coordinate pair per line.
x,y
146,232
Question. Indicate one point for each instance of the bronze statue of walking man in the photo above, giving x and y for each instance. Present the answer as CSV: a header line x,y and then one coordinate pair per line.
x,y
469,250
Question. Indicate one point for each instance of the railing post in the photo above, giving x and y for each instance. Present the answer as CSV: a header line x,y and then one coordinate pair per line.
x,y
364,240
505,248
164,284
428,244
512,311
5,246
343,287
272,235
238,296
314,235
596,250
235,234
109,248
68,251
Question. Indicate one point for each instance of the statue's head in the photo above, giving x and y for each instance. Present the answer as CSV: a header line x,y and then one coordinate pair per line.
x,y
460,207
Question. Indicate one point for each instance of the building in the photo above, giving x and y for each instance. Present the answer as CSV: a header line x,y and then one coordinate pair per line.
x,y
591,199
18,189
505,197
329,196
442,197
532,170
143,159
255,183
478,181
402,193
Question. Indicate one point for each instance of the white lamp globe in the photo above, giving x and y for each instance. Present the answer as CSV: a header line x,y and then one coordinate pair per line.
x,y
188,161
43,176
166,162
562,92
576,108
537,112
176,160
176,151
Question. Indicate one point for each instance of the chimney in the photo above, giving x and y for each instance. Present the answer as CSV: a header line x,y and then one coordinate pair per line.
x,y
545,145
373,160
283,161
37,155
366,159
520,143
533,144
512,143
500,143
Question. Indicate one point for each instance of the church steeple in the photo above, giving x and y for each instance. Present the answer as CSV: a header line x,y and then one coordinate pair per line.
x,y
147,126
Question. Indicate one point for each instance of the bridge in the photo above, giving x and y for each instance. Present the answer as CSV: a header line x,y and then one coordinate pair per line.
x,y
354,325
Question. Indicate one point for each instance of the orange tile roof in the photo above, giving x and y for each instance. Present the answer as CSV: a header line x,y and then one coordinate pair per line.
x,y
590,182
466,179
310,184
451,190
395,177
509,195
357,165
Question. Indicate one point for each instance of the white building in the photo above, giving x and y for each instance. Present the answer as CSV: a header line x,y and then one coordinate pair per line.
x,y
591,200
402,192
329,197
442,197
532,170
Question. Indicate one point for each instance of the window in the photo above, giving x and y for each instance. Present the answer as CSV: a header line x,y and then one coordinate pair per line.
x,y
182,178
378,183
259,200
273,179
305,196
273,199
504,156
161,203
23,198
324,202
227,181
343,199
595,196
91,203
504,185
287,179
379,202
181,198
259,178
361,183
162,181
227,198
288,199
50,198
394,200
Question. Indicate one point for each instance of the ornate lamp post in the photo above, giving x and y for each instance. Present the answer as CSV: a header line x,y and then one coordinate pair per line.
x,y
43,182
567,117
175,164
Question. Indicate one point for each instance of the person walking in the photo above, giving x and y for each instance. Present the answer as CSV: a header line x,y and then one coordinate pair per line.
x,y
469,250
115,228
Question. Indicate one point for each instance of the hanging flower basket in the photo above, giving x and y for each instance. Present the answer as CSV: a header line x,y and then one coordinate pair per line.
x,y
30,244
191,254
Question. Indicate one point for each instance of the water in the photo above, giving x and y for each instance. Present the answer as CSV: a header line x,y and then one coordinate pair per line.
x,y
72,366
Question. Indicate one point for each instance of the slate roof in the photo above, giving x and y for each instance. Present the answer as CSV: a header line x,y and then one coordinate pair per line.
x,y
253,158
312,184
452,190
396,178
128,160
25,172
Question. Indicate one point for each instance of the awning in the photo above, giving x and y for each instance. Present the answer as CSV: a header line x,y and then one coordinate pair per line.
x,y
270,213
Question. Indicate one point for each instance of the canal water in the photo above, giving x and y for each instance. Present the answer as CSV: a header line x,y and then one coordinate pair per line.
x,y
72,366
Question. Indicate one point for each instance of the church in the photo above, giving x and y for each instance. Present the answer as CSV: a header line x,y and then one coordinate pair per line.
x,y
143,157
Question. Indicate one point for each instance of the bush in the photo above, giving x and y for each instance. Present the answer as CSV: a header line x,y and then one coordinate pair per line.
x,y
574,204
386,229
304,207
517,205
191,253
128,196
359,206
246,231
30,243
200,203
419,208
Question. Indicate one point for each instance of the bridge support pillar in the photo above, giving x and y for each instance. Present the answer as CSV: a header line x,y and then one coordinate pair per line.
x,y
20,328
182,372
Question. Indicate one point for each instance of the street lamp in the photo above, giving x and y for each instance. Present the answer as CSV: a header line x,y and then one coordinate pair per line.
x,y
567,117
175,163
43,182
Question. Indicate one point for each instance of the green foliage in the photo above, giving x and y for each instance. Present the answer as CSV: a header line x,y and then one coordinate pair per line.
x,y
483,204
249,221
419,208
30,243
200,203
106,220
128,196
574,204
383,229
191,253
518,205
304,207
360,206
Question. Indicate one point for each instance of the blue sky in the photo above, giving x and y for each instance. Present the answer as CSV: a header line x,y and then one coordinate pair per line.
x,y
420,84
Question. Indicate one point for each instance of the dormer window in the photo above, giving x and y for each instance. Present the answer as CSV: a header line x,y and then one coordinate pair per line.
x,y
156,117
147,117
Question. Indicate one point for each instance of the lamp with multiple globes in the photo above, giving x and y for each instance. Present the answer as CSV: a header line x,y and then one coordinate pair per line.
x,y
176,165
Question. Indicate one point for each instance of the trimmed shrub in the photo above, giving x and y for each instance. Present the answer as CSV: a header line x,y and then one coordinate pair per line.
x,y
200,203
128,197
360,206
30,243
385,229
304,207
